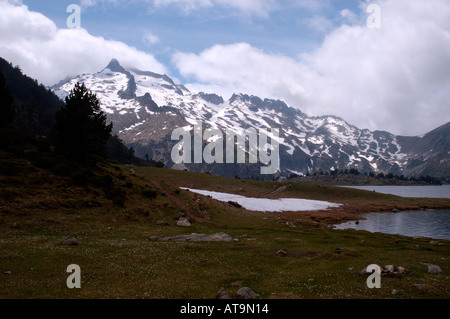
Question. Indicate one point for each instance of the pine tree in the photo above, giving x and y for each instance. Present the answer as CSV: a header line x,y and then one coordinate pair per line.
x,y
81,129
7,112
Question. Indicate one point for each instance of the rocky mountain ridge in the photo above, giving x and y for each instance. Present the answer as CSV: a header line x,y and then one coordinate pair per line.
x,y
146,108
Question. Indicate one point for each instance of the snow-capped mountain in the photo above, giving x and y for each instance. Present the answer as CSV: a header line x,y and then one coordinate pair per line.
x,y
146,107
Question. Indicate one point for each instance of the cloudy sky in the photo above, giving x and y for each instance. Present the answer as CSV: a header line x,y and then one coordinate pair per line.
x,y
322,57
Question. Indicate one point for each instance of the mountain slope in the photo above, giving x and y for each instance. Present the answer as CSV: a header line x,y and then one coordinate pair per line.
x,y
147,107
35,105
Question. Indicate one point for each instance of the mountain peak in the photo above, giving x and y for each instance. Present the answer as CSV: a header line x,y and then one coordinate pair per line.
x,y
115,66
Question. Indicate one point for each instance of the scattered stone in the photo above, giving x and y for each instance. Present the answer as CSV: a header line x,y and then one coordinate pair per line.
x,y
236,239
433,242
184,222
351,268
110,228
394,292
282,253
219,237
364,272
389,268
288,223
402,270
70,241
222,294
434,269
246,293
132,171
311,280
8,272
117,245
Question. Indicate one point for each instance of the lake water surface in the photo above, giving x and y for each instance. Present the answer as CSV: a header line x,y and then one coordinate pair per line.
x,y
410,191
430,223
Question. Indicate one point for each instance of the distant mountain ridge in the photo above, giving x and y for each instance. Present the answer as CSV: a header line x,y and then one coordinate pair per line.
x,y
146,107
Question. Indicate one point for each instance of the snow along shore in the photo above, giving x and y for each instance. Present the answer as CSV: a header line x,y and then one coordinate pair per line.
x,y
269,205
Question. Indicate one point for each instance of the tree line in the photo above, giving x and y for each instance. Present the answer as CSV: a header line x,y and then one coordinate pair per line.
x,y
388,176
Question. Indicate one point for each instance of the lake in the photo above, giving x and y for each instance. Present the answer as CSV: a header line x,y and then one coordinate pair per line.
x,y
431,223
410,191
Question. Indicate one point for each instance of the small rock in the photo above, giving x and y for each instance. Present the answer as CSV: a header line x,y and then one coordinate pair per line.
x,y
70,241
117,245
338,251
282,253
222,294
402,270
389,268
219,237
351,269
434,269
222,237
394,292
433,242
364,272
246,293
288,223
311,280
132,171
184,222
8,272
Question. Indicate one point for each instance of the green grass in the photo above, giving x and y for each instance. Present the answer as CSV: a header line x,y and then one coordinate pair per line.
x,y
38,208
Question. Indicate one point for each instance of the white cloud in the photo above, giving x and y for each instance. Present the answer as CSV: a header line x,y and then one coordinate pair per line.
x,y
248,7
396,78
151,38
43,51
319,24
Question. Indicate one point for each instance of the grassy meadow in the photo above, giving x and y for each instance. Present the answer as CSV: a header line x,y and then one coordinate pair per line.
x,y
113,211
